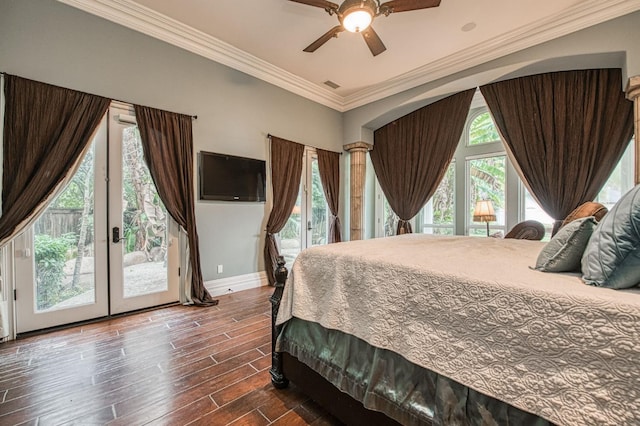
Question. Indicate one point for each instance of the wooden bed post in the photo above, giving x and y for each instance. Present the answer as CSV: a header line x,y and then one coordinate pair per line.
x,y
633,94
277,375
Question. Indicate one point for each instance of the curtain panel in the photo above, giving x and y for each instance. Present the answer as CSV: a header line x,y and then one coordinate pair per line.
x,y
411,154
329,167
566,132
167,142
286,171
46,131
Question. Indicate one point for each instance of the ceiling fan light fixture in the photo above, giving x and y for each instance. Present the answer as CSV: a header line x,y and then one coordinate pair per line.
x,y
356,15
357,20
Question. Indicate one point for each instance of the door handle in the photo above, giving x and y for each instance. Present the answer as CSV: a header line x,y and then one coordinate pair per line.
x,y
309,227
115,233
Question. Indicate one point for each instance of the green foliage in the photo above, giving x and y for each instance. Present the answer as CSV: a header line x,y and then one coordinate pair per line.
x,y
488,178
144,227
482,130
443,199
50,255
73,195
488,175
317,193
130,233
390,220
71,198
319,212
292,228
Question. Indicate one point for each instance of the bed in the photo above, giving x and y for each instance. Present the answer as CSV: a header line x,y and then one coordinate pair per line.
x,y
419,329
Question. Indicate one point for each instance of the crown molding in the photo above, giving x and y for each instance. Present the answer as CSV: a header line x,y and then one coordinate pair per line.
x,y
142,19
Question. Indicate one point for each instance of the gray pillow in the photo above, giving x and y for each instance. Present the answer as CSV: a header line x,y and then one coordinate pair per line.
x,y
612,257
564,252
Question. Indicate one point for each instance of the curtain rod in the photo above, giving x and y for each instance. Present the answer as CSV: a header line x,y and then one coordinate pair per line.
x,y
269,135
193,117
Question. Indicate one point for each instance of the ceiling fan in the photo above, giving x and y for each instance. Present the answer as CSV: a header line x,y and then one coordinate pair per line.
x,y
356,16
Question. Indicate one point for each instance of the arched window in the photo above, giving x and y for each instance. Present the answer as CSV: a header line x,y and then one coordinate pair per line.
x,y
483,130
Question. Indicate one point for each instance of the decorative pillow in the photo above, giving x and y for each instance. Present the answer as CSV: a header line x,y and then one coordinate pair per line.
x,y
564,252
587,209
612,257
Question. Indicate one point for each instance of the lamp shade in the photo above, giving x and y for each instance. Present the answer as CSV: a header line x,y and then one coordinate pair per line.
x,y
484,212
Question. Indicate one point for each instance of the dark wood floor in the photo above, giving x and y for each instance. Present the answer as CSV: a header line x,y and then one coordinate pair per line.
x,y
177,365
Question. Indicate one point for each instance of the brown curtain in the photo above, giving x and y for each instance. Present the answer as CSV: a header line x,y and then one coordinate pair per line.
x,y
329,167
565,130
167,142
411,154
46,129
286,170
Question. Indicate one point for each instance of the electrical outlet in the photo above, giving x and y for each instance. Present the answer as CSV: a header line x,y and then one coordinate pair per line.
x,y
220,269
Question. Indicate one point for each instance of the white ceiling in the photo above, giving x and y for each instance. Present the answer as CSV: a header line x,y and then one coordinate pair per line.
x,y
265,38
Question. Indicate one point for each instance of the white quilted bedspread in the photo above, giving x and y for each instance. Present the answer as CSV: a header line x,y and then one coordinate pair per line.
x,y
471,309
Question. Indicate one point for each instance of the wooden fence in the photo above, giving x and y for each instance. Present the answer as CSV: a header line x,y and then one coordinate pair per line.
x,y
58,222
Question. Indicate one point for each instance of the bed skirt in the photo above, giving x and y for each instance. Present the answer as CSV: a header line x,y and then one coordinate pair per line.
x,y
386,382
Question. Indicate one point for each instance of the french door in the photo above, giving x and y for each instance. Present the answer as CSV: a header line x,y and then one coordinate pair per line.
x,y
105,244
308,224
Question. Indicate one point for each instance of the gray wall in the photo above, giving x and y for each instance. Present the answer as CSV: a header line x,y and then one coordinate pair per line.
x,y
47,41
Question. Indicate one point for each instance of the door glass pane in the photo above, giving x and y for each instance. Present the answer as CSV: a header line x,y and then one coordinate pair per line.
x,y
64,244
319,208
487,177
144,222
291,234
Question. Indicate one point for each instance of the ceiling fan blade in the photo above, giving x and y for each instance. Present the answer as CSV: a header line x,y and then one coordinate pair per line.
x,y
407,5
333,32
373,41
324,4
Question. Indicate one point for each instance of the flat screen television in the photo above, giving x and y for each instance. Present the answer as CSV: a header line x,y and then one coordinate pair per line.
x,y
229,178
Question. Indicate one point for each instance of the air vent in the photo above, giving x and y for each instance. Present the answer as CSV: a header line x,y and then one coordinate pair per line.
x,y
331,84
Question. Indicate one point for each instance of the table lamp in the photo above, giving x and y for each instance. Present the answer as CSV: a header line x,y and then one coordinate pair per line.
x,y
484,213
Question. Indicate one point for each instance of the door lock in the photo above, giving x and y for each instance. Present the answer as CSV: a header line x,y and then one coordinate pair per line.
x,y
116,234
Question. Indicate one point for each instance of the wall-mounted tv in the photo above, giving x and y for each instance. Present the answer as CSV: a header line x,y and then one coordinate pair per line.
x,y
229,178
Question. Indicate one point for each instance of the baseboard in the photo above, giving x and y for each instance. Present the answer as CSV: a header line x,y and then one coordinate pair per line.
x,y
237,283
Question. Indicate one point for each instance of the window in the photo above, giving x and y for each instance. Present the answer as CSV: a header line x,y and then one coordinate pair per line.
x,y
481,170
486,173
439,214
487,181
620,181
436,217
390,219
483,130
533,211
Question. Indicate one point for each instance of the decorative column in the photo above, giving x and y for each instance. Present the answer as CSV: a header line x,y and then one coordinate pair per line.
x,y
633,94
358,164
